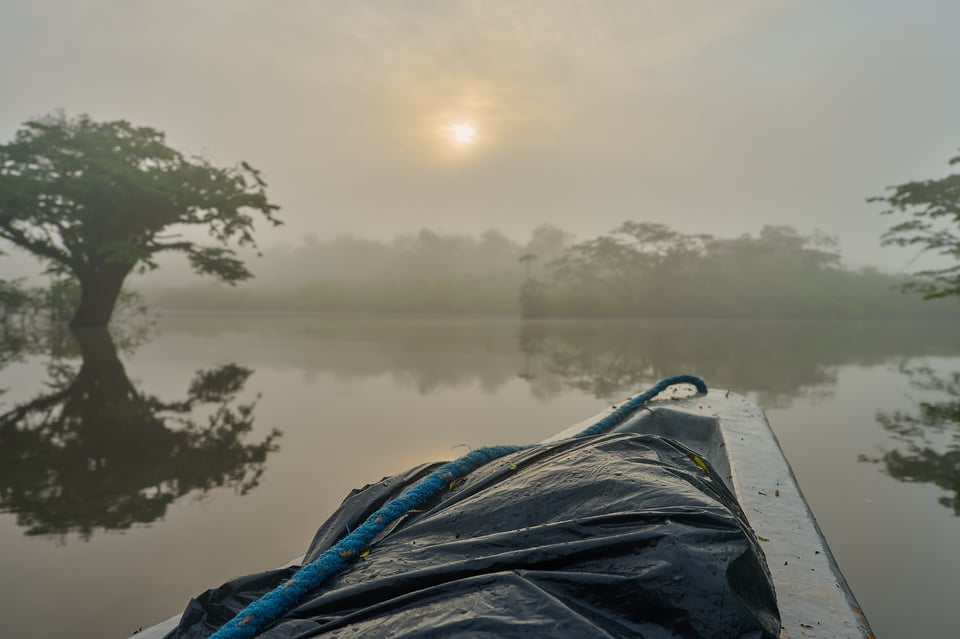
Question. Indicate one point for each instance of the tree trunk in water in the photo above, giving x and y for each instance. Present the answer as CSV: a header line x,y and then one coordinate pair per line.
x,y
98,295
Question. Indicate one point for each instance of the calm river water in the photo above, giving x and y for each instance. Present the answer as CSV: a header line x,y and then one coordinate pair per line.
x,y
139,470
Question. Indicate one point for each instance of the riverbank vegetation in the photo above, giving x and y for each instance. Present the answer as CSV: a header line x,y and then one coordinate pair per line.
x,y
638,269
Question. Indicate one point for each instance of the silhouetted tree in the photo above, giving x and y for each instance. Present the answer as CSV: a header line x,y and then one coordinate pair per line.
x,y
527,259
783,244
548,242
533,302
96,200
648,269
619,273
933,207
604,266
531,291
13,298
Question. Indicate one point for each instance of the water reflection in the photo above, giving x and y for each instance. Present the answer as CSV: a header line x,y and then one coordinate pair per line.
x,y
930,435
774,361
94,451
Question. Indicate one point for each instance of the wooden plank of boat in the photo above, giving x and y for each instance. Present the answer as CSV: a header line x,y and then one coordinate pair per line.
x,y
813,597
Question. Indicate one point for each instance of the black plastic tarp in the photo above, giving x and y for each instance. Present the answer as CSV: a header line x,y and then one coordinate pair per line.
x,y
614,536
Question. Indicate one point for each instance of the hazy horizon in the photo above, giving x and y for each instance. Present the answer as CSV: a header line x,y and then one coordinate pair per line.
x,y
709,118
174,269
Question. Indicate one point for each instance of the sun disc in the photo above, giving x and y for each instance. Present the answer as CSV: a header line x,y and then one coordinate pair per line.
x,y
463,133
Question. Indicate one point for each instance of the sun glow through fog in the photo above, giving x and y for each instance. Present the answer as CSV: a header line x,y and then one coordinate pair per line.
x,y
463,134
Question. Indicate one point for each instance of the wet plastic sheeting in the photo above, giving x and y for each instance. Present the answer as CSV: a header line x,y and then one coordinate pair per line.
x,y
614,536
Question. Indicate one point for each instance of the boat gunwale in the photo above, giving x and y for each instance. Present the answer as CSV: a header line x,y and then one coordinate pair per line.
x,y
733,433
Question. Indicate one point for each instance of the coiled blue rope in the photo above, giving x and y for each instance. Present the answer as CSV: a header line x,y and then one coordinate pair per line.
x,y
284,597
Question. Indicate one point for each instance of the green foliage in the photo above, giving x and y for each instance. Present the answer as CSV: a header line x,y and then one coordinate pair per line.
x,y
650,270
637,270
933,225
96,200
13,298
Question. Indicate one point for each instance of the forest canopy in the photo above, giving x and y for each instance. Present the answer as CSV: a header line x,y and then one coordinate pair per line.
x,y
932,226
96,200
638,269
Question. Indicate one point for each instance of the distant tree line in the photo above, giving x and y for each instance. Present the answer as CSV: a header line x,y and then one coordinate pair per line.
x,y
650,270
639,269
426,272
99,201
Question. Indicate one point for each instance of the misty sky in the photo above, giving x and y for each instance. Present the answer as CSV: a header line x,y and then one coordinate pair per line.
x,y
709,116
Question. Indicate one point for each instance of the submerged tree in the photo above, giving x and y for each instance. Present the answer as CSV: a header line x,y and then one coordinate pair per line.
x,y
933,207
96,200
95,452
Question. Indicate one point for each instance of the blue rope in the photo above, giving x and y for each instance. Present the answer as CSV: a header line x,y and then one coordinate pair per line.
x,y
624,410
275,603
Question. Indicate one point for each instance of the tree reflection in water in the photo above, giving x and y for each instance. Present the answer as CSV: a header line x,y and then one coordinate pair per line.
x,y
97,452
611,359
930,434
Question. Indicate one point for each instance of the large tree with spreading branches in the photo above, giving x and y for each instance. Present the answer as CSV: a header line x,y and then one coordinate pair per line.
x,y
932,225
96,200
